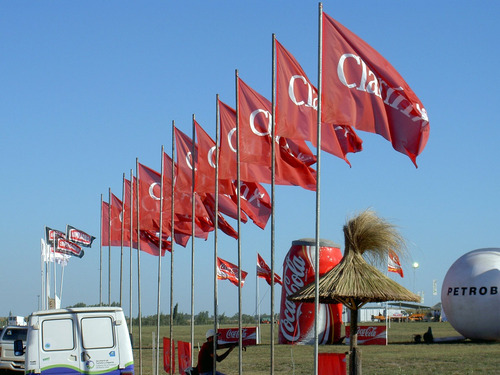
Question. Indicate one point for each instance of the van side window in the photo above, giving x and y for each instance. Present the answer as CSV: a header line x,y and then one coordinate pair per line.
x,y
57,334
97,333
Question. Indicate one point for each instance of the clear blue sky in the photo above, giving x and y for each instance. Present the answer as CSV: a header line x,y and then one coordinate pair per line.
x,y
88,86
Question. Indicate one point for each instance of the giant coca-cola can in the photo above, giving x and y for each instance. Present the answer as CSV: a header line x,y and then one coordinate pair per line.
x,y
297,318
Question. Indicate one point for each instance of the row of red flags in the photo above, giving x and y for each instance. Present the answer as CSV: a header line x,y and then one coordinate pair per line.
x,y
360,90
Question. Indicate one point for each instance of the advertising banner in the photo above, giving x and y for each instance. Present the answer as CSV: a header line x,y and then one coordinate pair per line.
x,y
231,336
369,335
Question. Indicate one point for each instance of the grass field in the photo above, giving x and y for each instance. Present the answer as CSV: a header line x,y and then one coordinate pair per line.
x,y
401,356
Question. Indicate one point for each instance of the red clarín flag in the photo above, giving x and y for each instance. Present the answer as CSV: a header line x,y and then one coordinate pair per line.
x,y
78,236
362,89
393,263
229,271
264,271
297,110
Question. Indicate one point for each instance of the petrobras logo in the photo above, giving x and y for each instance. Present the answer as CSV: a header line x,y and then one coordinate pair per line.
x,y
472,291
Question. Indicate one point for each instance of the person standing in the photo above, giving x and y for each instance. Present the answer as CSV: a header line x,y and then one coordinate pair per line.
x,y
206,354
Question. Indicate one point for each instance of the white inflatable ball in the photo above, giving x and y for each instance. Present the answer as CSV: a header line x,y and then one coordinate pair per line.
x,y
470,294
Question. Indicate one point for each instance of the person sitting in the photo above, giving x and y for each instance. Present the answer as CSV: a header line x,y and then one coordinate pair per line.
x,y
206,354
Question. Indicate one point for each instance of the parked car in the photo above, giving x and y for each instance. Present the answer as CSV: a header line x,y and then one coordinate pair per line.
x,y
9,334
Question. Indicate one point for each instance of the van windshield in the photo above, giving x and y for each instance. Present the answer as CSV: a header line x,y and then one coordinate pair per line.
x,y
12,334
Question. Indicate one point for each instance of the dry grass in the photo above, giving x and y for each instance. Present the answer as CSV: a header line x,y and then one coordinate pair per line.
x,y
401,356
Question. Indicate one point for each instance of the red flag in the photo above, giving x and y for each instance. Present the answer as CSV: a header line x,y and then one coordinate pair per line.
x,y
229,271
206,159
264,271
185,161
297,109
184,355
150,241
167,355
256,202
332,364
362,89
149,197
290,170
393,263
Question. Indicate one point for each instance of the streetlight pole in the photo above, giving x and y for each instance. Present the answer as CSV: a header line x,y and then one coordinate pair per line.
x,y
415,266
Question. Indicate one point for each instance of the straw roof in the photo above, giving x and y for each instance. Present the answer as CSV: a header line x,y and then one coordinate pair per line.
x,y
353,281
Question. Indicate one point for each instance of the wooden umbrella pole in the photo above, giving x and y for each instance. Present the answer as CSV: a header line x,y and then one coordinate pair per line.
x,y
354,353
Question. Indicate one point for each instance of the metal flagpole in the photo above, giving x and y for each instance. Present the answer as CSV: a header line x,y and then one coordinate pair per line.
x,y
193,167
122,238
216,296
138,265
109,249
273,176
318,195
100,260
55,272
172,255
257,305
158,308
238,179
43,258
131,203
62,280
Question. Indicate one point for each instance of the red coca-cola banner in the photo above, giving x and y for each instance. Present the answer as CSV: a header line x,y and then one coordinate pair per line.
x,y
231,336
369,335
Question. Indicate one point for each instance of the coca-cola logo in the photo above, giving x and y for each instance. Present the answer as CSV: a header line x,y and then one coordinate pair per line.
x,y
367,332
294,274
234,334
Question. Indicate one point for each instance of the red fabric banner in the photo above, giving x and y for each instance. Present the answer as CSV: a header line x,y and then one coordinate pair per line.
x,y
394,264
229,271
362,89
331,364
183,356
290,169
297,110
166,355
264,271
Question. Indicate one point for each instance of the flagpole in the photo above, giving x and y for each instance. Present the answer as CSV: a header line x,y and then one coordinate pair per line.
x,y
131,200
121,240
318,193
273,183
109,249
216,224
257,306
158,309
62,280
172,254
238,179
193,163
138,266
100,259
43,257
55,272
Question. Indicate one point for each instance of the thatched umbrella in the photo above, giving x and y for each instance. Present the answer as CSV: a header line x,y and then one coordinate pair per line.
x,y
354,282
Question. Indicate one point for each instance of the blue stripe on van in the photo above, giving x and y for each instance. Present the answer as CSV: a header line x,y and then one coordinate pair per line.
x,y
70,370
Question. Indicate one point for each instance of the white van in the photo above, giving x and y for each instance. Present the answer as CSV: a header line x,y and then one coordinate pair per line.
x,y
78,341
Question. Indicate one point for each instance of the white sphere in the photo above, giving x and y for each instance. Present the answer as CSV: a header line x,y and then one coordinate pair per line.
x,y
470,294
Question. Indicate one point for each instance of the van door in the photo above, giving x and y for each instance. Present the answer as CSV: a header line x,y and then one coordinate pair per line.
x,y
99,347
59,346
